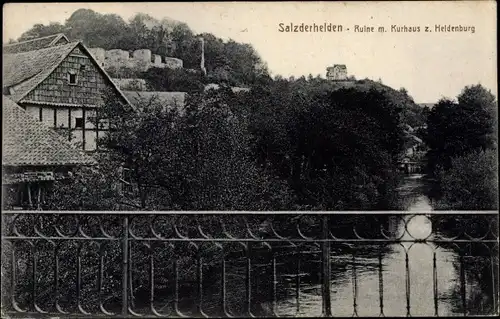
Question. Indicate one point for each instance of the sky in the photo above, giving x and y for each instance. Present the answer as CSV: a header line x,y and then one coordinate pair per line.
x,y
429,65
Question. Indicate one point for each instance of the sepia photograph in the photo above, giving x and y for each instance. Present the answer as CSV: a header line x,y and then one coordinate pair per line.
x,y
249,159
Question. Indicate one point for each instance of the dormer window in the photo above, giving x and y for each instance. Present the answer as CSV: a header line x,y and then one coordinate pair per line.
x,y
72,78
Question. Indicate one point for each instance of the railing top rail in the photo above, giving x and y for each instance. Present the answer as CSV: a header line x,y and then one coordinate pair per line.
x,y
388,212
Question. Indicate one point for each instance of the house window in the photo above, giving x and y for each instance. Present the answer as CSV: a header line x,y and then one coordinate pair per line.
x,y
78,122
82,67
72,78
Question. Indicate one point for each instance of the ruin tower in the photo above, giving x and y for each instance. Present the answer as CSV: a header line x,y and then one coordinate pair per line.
x,y
202,62
337,72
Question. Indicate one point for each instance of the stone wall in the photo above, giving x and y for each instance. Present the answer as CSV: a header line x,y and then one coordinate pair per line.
x,y
140,60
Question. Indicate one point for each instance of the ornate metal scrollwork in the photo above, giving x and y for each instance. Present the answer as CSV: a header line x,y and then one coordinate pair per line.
x,y
152,252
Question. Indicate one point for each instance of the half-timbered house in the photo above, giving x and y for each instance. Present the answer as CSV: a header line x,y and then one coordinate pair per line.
x,y
33,156
61,85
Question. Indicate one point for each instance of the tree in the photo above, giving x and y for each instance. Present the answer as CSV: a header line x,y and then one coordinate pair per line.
x,y
40,30
457,134
470,183
89,188
336,148
187,47
177,80
195,160
95,29
455,129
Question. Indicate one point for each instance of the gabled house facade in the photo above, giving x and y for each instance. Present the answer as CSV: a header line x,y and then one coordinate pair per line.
x,y
33,156
61,85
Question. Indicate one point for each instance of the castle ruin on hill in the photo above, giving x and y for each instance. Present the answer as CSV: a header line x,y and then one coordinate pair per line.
x,y
139,60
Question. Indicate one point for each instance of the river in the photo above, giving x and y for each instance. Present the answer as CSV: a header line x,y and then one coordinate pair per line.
x,y
420,257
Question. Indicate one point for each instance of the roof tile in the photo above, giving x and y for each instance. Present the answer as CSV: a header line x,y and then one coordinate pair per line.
x,y
24,70
34,44
27,142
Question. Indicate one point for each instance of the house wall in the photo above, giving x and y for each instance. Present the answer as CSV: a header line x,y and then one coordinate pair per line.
x,y
57,89
337,72
59,104
64,118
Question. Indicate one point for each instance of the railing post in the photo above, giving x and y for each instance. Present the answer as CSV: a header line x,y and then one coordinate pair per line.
x,y
125,267
326,269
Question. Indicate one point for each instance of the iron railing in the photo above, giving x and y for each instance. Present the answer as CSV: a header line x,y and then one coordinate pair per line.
x,y
213,264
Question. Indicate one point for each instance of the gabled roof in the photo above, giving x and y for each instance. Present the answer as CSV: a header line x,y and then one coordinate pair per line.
x,y
34,44
142,99
28,142
337,66
28,69
24,71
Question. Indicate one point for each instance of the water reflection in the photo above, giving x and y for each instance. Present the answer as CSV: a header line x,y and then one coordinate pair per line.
x,y
356,285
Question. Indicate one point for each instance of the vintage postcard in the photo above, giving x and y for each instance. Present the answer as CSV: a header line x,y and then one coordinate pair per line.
x,y
249,159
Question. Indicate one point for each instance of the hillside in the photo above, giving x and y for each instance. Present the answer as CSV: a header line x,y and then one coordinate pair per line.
x,y
237,63
411,113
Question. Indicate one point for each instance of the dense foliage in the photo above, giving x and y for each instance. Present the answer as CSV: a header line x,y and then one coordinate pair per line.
x,y
304,144
462,145
336,147
455,129
471,182
175,80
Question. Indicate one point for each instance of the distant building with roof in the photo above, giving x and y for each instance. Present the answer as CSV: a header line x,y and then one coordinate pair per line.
x,y
59,83
35,44
33,156
163,100
337,72
131,84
